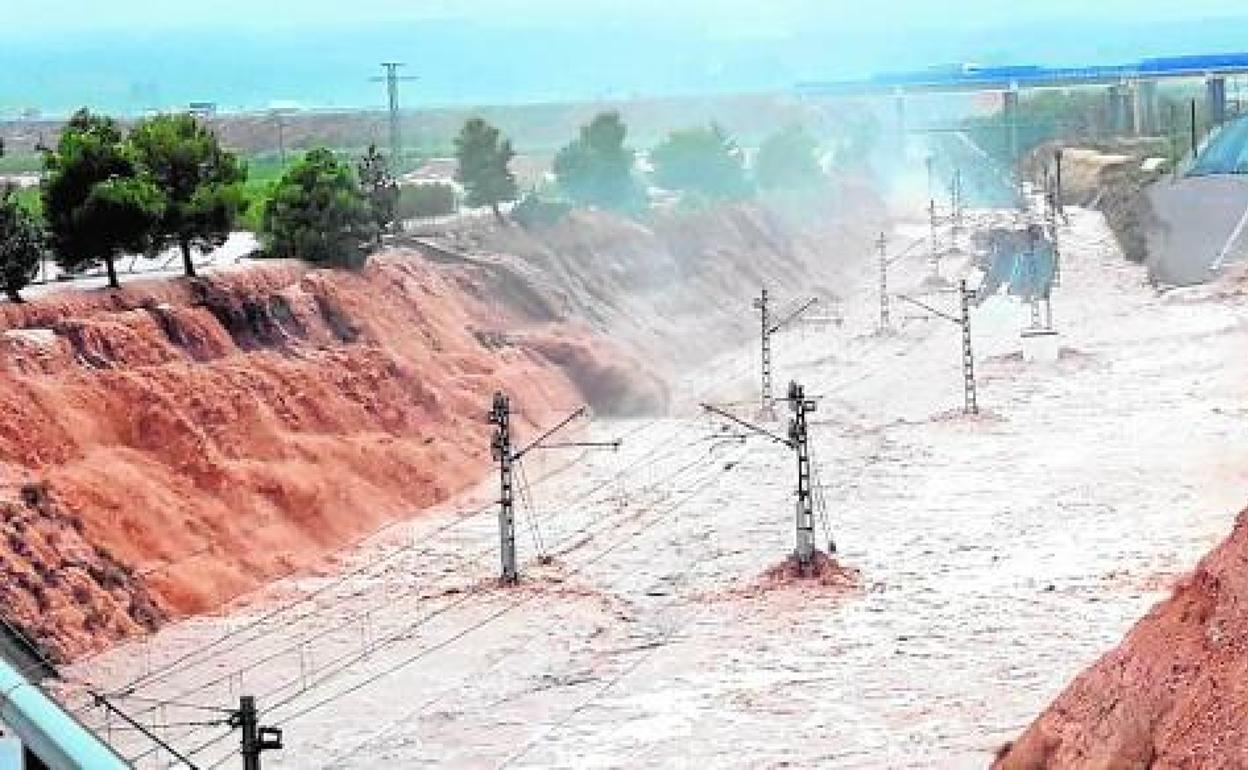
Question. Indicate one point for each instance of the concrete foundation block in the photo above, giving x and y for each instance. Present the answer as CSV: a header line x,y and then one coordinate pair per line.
x,y
1041,346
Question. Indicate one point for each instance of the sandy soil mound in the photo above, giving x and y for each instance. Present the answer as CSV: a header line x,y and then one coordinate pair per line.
x,y
201,438
1173,695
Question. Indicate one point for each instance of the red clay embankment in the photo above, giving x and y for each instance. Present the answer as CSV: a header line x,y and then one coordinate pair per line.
x,y
172,445
1173,695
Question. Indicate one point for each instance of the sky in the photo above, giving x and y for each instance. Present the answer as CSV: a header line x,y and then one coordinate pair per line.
x,y
136,55
728,15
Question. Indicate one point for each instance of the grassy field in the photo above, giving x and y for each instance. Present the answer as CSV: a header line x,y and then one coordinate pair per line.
x,y
28,198
21,163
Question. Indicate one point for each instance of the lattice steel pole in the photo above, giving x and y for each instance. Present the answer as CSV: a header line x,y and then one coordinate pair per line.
x,y
761,304
955,207
885,321
800,437
971,404
1057,258
1033,275
500,417
255,739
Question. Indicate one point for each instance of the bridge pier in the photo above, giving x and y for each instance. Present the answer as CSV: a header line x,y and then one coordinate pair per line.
x,y
1009,109
1215,97
1121,116
1147,108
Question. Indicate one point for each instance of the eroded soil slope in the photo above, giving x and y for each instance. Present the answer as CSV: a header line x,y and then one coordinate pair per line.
x,y
1172,695
193,440
200,438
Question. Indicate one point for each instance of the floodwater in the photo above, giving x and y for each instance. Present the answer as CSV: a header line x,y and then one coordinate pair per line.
x,y
996,557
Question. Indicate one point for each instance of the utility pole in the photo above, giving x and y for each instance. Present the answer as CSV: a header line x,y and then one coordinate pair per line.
x,y
255,739
1057,182
763,304
392,79
501,450
500,417
963,320
1195,140
970,398
799,435
280,119
934,253
882,245
760,304
1057,262
955,206
798,440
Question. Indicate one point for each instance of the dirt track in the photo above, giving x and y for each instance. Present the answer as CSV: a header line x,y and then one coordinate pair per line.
x,y
997,557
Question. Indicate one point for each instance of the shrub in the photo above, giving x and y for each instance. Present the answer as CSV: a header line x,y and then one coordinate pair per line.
x,y
534,210
420,201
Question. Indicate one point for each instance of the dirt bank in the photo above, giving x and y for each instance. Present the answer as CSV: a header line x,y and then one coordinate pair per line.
x,y
677,289
1172,695
1109,178
202,438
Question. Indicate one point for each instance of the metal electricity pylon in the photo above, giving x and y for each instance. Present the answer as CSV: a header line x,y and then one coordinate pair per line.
x,y
768,328
503,454
256,739
761,305
799,441
956,206
963,320
881,244
392,79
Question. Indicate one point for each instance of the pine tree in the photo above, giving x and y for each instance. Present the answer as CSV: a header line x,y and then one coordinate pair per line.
x,y
483,166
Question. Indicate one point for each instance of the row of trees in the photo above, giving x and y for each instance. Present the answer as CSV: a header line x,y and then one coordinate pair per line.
x,y
168,183
598,168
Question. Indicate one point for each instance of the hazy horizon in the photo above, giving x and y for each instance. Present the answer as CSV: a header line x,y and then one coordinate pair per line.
x,y
128,59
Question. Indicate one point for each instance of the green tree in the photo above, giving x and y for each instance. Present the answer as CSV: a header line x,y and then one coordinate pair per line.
x,y
483,157
95,203
701,160
199,182
788,159
596,169
21,246
317,213
379,187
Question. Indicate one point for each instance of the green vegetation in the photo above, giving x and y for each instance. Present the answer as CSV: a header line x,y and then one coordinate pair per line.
x,y
21,163
21,246
318,213
30,199
483,157
1042,116
704,161
596,169
535,210
199,183
96,204
169,182
788,160
421,201
379,188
